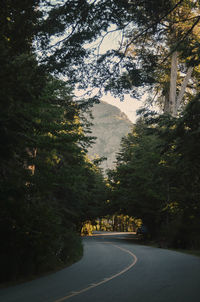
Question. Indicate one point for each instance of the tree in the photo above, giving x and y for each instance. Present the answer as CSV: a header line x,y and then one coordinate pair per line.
x,y
64,36
138,187
168,53
183,137
48,186
42,193
157,176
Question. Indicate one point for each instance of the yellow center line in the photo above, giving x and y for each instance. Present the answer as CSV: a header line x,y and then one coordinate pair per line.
x,y
76,293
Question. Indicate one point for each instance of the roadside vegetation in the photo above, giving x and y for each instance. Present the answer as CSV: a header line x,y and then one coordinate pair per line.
x,y
157,176
48,186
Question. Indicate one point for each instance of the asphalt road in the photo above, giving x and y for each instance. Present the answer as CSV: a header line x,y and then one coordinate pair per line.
x,y
115,269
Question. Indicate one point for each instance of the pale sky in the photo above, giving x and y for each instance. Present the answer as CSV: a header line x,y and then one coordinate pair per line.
x,y
111,40
129,105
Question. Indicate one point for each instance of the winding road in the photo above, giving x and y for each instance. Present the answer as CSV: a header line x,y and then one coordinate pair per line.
x,y
113,268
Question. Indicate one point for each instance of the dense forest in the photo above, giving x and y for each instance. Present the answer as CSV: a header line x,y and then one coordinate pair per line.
x,y
157,177
48,186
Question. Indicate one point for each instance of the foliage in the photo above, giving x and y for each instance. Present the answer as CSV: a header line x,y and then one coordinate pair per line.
x,y
48,187
150,31
113,223
157,176
136,183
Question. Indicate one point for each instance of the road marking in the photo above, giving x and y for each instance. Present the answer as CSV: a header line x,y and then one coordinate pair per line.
x,y
76,293
112,233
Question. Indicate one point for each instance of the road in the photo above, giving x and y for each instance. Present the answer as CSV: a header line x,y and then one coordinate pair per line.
x,y
113,268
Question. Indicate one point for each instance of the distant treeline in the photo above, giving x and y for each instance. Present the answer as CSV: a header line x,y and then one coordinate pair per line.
x,y
112,223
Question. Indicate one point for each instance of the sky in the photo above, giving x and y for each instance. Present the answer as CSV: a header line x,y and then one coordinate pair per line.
x,y
129,105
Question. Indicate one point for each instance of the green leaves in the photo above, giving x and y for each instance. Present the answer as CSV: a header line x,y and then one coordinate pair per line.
x,y
48,187
157,175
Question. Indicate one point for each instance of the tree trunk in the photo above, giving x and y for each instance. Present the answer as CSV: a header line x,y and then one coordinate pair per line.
x,y
166,103
173,79
183,87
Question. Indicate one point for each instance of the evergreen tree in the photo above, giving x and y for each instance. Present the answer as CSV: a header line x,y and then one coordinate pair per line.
x,y
45,176
157,176
138,187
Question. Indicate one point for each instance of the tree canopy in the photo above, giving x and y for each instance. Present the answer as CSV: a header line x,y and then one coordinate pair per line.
x,y
48,185
157,176
150,32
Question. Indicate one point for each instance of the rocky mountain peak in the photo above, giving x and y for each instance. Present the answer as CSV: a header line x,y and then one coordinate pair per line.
x,y
109,126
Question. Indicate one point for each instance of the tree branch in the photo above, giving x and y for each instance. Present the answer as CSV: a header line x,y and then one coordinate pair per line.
x,y
186,34
150,26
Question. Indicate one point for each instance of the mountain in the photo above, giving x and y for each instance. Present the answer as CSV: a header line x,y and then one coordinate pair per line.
x,y
109,126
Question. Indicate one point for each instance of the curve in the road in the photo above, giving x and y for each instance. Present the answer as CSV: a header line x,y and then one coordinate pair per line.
x,y
72,294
